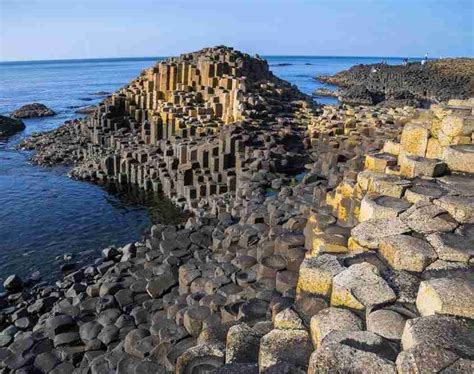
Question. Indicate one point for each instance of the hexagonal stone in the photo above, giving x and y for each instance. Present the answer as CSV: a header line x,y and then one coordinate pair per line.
x,y
316,274
423,193
414,139
290,346
457,246
160,284
288,319
332,319
441,331
404,252
369,233
426,358
459,157
446,296
386,323
242,344
461,208
199,359
353,352
379,207
427,218
359,287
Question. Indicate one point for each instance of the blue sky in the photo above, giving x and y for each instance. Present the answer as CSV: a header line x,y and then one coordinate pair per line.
x,y
58,29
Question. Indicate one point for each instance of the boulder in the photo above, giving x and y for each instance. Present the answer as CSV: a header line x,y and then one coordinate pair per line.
x,y
13,283
10,126
32,111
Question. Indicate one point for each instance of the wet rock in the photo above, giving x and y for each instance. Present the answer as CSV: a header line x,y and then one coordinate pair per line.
x,y
13,283
32,111
10,126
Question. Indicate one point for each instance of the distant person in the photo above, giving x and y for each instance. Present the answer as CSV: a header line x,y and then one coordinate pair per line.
x,y
405,62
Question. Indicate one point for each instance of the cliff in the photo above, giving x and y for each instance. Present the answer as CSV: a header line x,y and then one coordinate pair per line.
x,y
436,81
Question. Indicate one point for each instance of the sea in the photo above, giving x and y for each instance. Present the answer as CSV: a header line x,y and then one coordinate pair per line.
x,y
48,220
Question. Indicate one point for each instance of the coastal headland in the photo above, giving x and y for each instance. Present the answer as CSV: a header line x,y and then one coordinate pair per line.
x,y
321,238
414,83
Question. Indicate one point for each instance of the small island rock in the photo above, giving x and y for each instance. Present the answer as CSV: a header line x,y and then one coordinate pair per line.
x,y
32,111
9,126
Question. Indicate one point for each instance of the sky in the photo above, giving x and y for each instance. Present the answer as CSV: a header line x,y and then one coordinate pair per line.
x,y
66,29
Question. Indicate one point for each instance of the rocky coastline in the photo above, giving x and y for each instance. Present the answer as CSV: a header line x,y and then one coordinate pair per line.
x,y
413,84
365,265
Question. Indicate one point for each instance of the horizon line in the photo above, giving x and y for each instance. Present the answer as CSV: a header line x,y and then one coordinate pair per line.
x,y
261,55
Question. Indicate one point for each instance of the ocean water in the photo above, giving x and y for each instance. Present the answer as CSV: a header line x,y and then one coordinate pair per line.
x,y
45,215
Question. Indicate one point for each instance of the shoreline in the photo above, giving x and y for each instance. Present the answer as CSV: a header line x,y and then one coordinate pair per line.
x,y
351,256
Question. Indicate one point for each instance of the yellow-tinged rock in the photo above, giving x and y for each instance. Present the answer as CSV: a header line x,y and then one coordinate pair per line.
x,y
317,273
435,127
353,246
414,139
332,319
379,161
405,252
451,296
328,243
316,224
453,125
460,158
434,149
391,147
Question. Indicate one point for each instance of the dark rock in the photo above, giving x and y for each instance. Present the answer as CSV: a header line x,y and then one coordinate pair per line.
x,y
438,80
9,126
13,283
32,111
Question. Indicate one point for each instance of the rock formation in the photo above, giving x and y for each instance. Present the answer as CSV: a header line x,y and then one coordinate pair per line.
x,y
10,126
32,111
413,84
365,265
192,126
